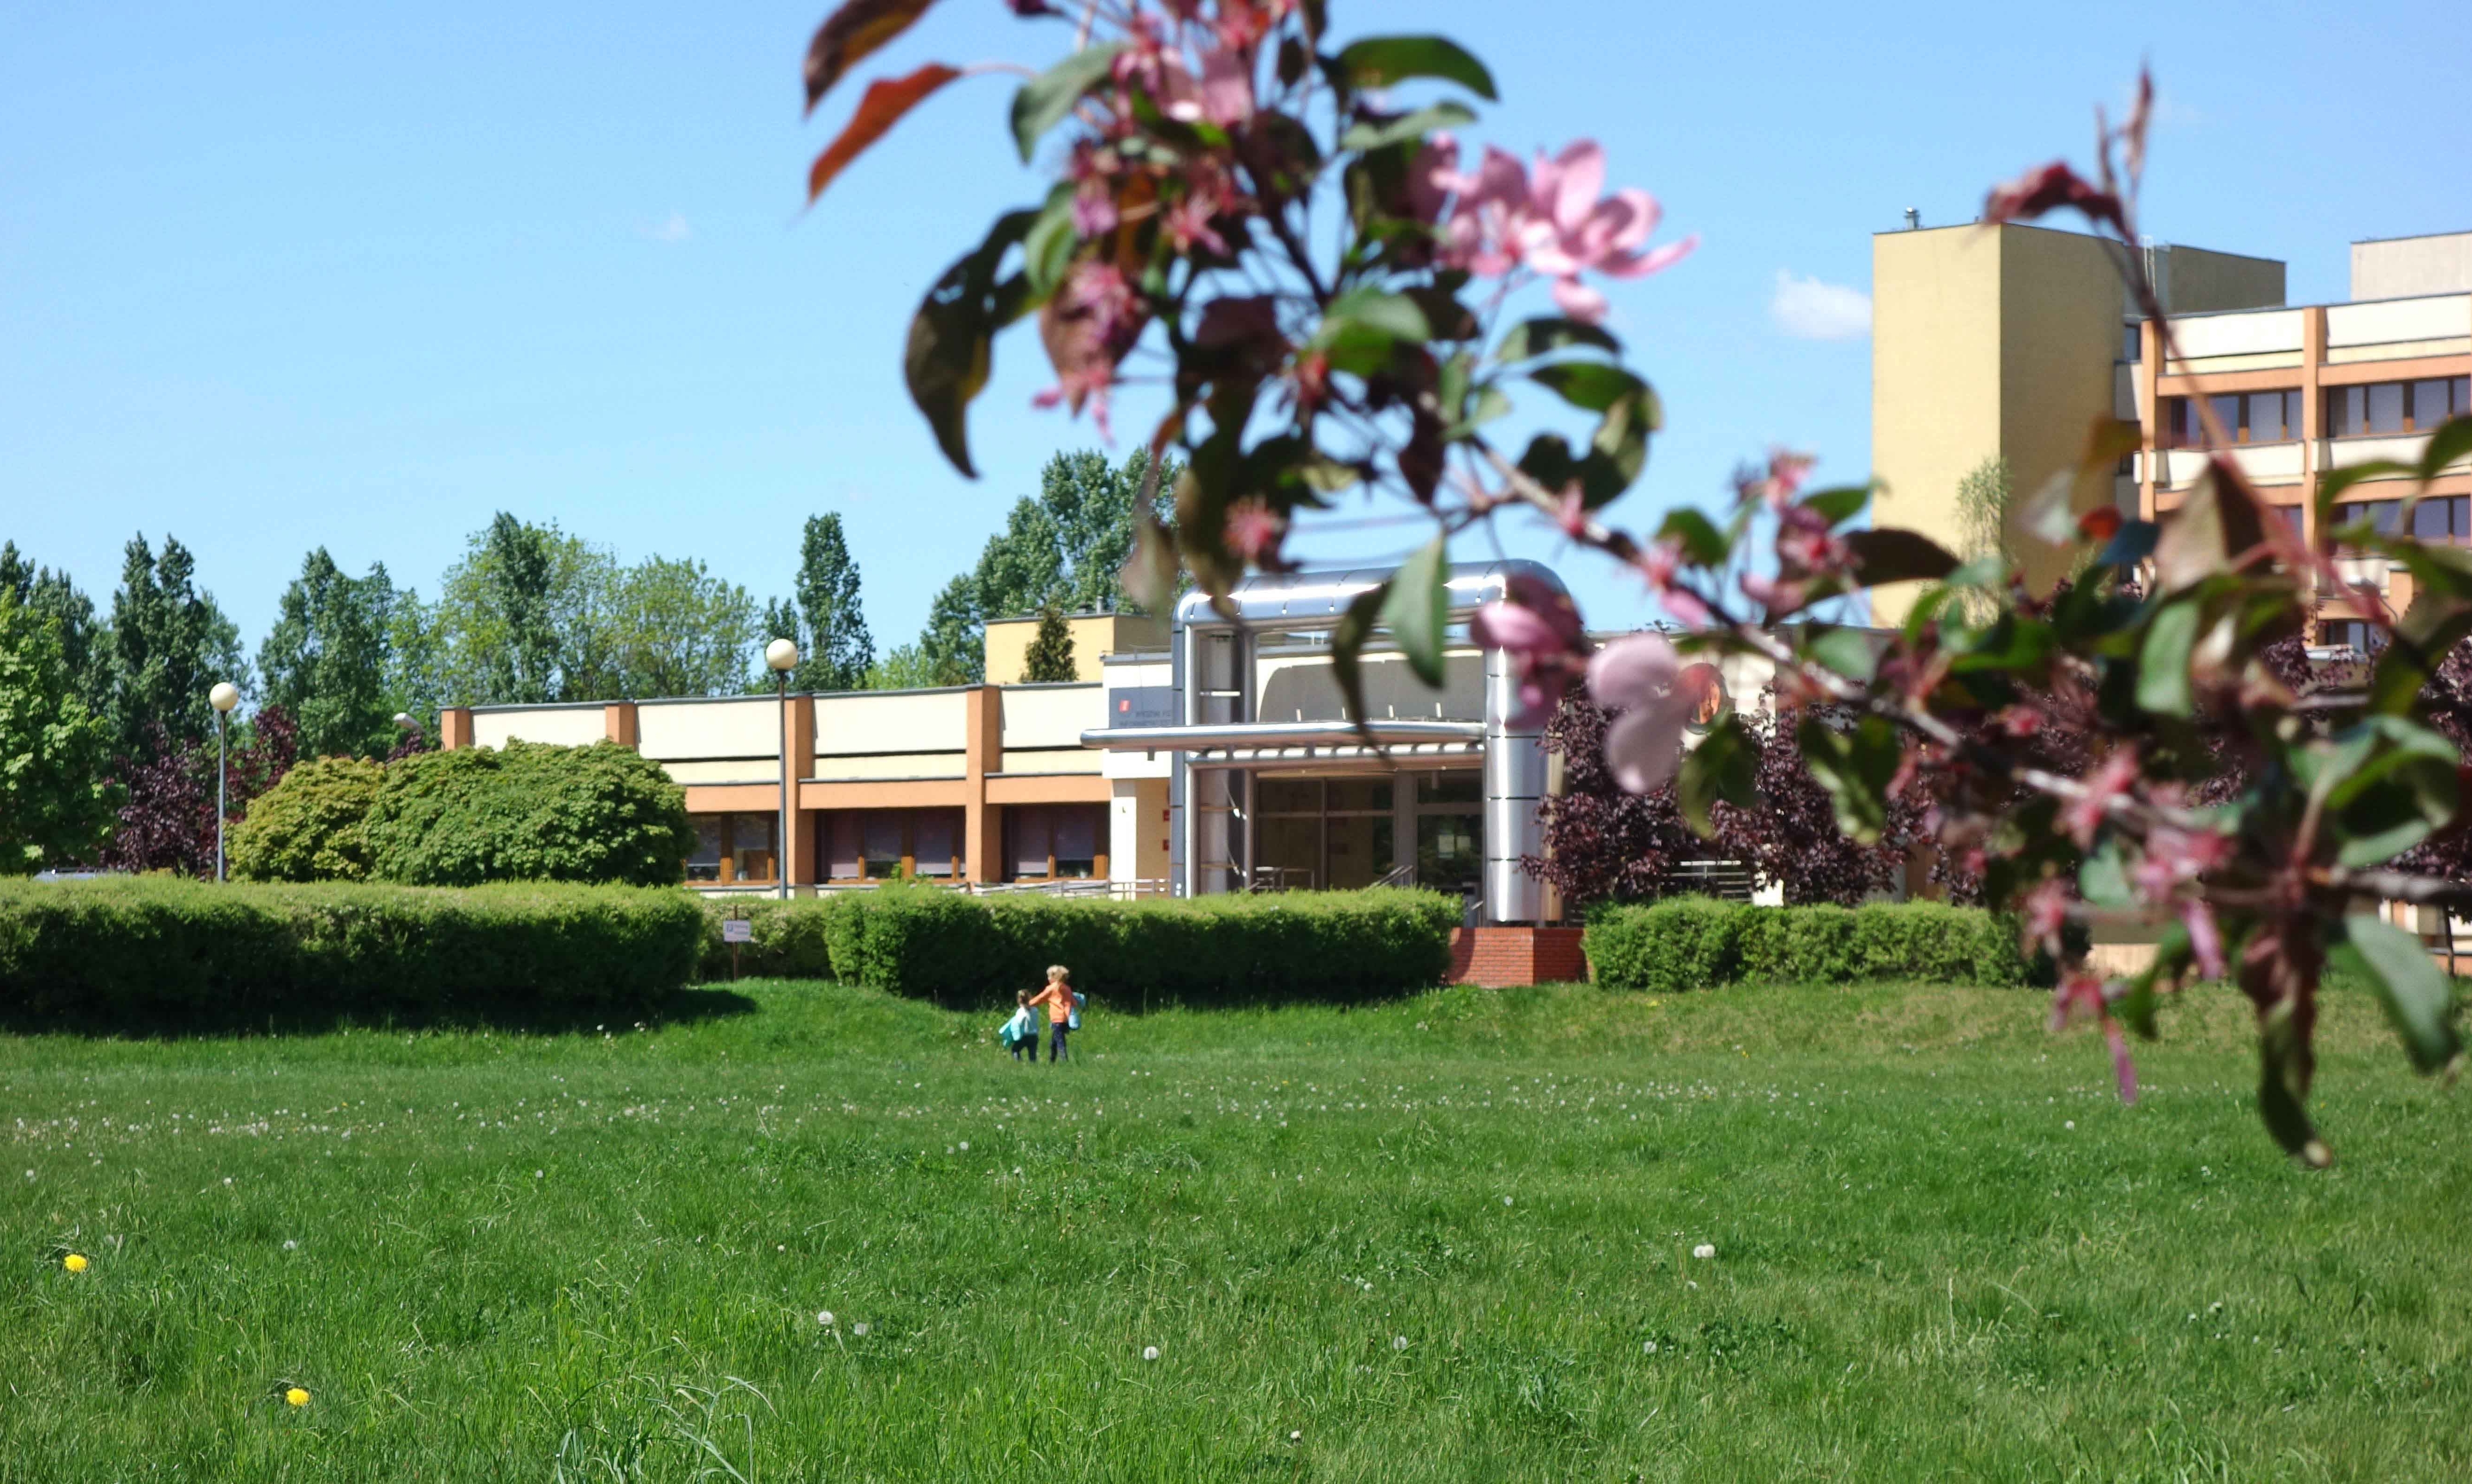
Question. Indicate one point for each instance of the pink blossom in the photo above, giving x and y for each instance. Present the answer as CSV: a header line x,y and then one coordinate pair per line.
x,y
1087,326
2081,817
1636,676
1551,220
2047,911
1539,629
1254,531
2205,939
1660,563
2048,188
1091,170
2124,1072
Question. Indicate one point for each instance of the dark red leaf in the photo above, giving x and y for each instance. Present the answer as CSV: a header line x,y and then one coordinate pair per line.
x,y
885,102
848,35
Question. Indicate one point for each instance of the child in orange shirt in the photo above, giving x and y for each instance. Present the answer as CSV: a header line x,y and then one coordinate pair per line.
x,y
1062,1013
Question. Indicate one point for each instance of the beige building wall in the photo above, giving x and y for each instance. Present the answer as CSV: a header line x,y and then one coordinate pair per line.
x,y
1095,635
2401,266
565,726
2006,341
1301,688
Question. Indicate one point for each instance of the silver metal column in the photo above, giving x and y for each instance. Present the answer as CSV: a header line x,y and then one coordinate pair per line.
x,y
1514,787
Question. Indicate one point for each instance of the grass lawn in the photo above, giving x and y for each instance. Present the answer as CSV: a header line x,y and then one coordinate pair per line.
x,y
1446,1239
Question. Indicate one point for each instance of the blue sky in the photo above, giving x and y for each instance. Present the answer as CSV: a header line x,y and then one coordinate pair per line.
x,y
283,276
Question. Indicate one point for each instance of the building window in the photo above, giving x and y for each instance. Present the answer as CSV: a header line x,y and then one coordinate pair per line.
x,y
736,847
1056,841
1312,833
2247,417
1450,831
2132,342
2352,634
2437,518
2394,407
884,844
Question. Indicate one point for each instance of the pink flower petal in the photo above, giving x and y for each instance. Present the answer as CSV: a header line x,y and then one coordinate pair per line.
x,y
1654,261
1513,627
2122,1070
1578,177
1644,744
1579,302
1632,673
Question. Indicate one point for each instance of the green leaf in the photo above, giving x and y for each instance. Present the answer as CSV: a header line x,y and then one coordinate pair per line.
x,y
2163,660
1724,765
1379,61
2388,784
1855,765
1046,98
2334,481
2217,521
1885,553
1846,651
1842,503
1590,386
1531,338
1363,325
1702,543
1347,648
1417,607
2102,877
2452,440
1047,250
951,337
2418,1000
1550,462
1375,133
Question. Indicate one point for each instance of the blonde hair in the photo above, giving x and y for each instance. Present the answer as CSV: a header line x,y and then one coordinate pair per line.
x,y
1056,972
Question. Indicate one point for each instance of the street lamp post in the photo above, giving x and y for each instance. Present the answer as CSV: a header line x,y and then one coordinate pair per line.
x,y
782,654
223,697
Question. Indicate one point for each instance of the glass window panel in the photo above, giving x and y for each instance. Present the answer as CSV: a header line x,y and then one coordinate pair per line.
x,y
880,842
703,863
1033,833
1360,851
750,839
2428,519
844,851
2290,515
2228,412
1452,787
2265,417
2343,412
937,841
2132,342
1348,794
1289,852
2385,405
2463,393
2428,402
1450,850
1078,828
1289,795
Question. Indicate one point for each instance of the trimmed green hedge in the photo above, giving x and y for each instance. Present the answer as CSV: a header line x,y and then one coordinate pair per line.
x,y
529,812
934,943
158,944
1692,943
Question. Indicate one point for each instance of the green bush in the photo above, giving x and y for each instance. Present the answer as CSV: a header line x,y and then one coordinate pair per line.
x,y
164,945
1697,942
934,943
529,812
312,826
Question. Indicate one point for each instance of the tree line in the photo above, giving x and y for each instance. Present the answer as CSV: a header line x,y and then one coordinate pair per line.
x,y
106,736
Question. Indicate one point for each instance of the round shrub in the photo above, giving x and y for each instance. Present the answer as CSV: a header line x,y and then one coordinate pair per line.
x,y
529,812
312,826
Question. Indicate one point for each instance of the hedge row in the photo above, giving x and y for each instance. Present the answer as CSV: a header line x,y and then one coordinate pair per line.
x,y
934,943
1697,942
158,944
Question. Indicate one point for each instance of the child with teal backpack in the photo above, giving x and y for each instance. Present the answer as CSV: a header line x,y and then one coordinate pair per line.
x,y
1022,1030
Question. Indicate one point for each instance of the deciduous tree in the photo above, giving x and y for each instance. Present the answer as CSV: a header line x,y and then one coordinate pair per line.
x,y
56,800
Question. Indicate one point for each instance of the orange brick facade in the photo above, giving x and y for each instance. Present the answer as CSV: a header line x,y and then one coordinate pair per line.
x,y
1516,955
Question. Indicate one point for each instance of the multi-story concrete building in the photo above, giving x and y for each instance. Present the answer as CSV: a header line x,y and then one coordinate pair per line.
x,y
2011,341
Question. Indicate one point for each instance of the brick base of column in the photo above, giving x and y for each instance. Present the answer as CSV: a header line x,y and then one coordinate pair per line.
x,y
1496,957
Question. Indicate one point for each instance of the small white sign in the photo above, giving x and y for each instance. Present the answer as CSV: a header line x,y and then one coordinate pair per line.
x,y
737,930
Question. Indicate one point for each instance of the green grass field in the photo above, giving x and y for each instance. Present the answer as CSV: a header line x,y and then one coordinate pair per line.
x,y
1448,1239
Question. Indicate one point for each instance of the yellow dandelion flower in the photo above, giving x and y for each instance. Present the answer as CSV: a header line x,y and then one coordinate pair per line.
x,y
75,1263
296,1396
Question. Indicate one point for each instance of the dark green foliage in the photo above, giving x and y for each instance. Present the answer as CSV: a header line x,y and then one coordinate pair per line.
x,y
169,646
532,811
50,594
934,943
154,945
313,826
1689,943
1049,659
826,616
55,803
328,659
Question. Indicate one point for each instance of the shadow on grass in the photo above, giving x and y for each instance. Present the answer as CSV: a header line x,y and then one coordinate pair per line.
x,y
684,1005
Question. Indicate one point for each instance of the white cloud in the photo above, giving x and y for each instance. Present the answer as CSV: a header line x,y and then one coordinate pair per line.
x,y
1808,309
675,230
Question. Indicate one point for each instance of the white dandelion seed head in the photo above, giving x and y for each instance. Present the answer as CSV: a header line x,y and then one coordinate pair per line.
x,y
825,1317
966,1147
1705,1250
1506,1200
1296,1436
1398,1342
859,1327
2069,1124
538,1174
1648,1348
1150,1352
227,1179
289,1244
